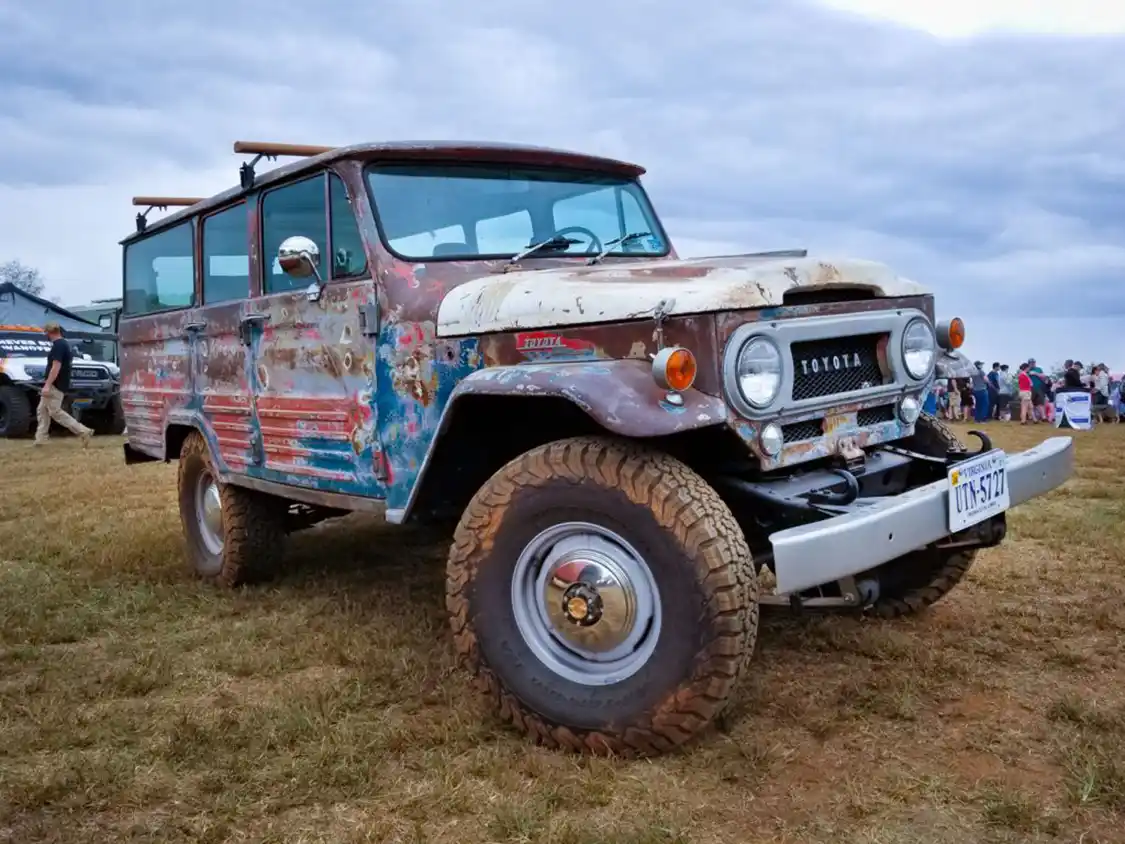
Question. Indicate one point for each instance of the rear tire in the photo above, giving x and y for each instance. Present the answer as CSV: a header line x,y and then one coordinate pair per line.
x,y
234,536
16,417
635,661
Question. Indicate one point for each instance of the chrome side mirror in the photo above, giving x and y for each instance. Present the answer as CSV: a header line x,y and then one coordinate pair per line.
x,y
299,257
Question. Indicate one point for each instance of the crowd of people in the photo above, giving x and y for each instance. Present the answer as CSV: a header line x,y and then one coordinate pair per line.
x,y
1027,393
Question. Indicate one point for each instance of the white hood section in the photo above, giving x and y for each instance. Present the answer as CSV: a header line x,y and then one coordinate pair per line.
x,y
582,295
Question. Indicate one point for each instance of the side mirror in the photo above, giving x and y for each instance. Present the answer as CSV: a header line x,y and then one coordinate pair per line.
x,y
299,257
105,321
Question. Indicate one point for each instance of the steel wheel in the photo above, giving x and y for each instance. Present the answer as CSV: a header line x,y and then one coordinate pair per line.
x,y
209,512
586,603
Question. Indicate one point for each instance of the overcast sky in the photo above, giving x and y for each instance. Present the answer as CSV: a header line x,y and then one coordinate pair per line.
x,y
977,148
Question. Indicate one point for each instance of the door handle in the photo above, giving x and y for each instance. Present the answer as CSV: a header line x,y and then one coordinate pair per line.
x,y
245,323
190,329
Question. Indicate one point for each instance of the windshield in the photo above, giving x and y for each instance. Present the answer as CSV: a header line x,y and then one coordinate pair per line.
x,y
23,344
474,211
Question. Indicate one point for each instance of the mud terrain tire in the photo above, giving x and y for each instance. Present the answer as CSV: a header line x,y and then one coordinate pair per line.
x,y
705,592
16,418
920,579
252,525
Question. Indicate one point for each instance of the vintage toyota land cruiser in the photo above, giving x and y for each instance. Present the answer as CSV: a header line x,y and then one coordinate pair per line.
x,y
634,444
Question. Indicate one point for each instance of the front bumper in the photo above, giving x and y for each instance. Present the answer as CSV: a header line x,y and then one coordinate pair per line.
x,y
86,395
887,528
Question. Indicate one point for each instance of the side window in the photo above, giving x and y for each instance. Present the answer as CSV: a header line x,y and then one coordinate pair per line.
x,y
348,258
160,271
296,209
226,258
501,235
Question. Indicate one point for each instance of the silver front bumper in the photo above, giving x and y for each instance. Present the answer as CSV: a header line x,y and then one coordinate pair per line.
x,y
843,546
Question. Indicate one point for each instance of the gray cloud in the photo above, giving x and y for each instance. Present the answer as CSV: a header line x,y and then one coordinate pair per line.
x,y
989,168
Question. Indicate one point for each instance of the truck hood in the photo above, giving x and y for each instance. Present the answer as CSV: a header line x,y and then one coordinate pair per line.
x,y
582,295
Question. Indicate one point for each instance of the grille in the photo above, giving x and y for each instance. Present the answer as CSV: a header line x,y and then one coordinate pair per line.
x,y
89,373
875,415
837,365
798,431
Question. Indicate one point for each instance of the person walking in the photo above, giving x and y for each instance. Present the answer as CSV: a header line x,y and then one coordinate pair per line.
x,y
993,379
54,390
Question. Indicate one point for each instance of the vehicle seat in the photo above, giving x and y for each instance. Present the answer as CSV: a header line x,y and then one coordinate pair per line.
x,y
451,248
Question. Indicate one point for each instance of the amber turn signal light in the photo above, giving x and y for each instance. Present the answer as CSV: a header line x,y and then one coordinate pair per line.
x,y
674,368
951,333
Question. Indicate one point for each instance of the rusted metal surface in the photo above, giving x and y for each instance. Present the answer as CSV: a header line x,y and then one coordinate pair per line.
x,y
727,323
580,295
621,395
838,432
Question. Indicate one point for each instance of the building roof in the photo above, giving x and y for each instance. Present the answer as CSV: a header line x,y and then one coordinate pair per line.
x,y
19,307
477,151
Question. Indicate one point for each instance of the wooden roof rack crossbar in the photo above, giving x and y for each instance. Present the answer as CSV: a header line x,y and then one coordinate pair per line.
x,y
263,149
161,202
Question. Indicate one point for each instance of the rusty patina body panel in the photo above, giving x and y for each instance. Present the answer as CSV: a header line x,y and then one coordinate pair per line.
x,y
314,397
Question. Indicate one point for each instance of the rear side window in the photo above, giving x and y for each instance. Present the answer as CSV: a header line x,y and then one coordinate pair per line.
x,y
160,271
226,256
296,209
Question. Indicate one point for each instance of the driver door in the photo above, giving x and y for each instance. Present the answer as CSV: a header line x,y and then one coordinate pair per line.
x,y
312,369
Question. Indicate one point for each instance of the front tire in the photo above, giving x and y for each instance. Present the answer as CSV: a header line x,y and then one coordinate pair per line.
x,y
16,416
603,597
917,581
234,536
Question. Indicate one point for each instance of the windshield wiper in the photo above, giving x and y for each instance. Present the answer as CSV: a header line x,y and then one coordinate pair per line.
x,y
552,243
617,241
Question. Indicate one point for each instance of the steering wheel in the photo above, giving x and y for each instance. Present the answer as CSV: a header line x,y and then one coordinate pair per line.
x,y
595,242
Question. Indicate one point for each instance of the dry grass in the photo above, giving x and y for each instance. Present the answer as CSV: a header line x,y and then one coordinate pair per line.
x,y
139,705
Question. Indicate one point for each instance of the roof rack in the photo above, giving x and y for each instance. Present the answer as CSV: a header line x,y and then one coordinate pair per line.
x,y
161,202
265,149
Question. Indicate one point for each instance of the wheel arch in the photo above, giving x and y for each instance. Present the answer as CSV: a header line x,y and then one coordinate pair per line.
x,y
496,414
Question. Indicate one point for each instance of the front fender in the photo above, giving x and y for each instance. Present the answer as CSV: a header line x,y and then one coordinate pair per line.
x,y
620,395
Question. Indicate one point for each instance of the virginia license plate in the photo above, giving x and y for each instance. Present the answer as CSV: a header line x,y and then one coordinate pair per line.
x,y
978,489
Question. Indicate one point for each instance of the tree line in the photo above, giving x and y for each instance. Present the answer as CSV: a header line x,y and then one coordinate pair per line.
x,y
28,279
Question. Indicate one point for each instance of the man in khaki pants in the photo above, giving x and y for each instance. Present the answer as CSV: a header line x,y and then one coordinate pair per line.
x,y
54,390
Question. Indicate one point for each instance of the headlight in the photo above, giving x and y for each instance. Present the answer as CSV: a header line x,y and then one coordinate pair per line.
x,y
759,372
919,347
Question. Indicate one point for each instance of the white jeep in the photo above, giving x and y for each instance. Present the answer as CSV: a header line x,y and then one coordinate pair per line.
x,y
94,396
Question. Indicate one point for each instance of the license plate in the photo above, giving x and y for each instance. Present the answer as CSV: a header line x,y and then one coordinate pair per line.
x,y
839,422
978,489
80,403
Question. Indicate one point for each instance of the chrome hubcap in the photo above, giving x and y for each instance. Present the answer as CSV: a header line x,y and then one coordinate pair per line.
x,y
586,603
209,512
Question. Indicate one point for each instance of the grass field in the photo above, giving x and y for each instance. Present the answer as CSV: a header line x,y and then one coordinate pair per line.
x,y
137,704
